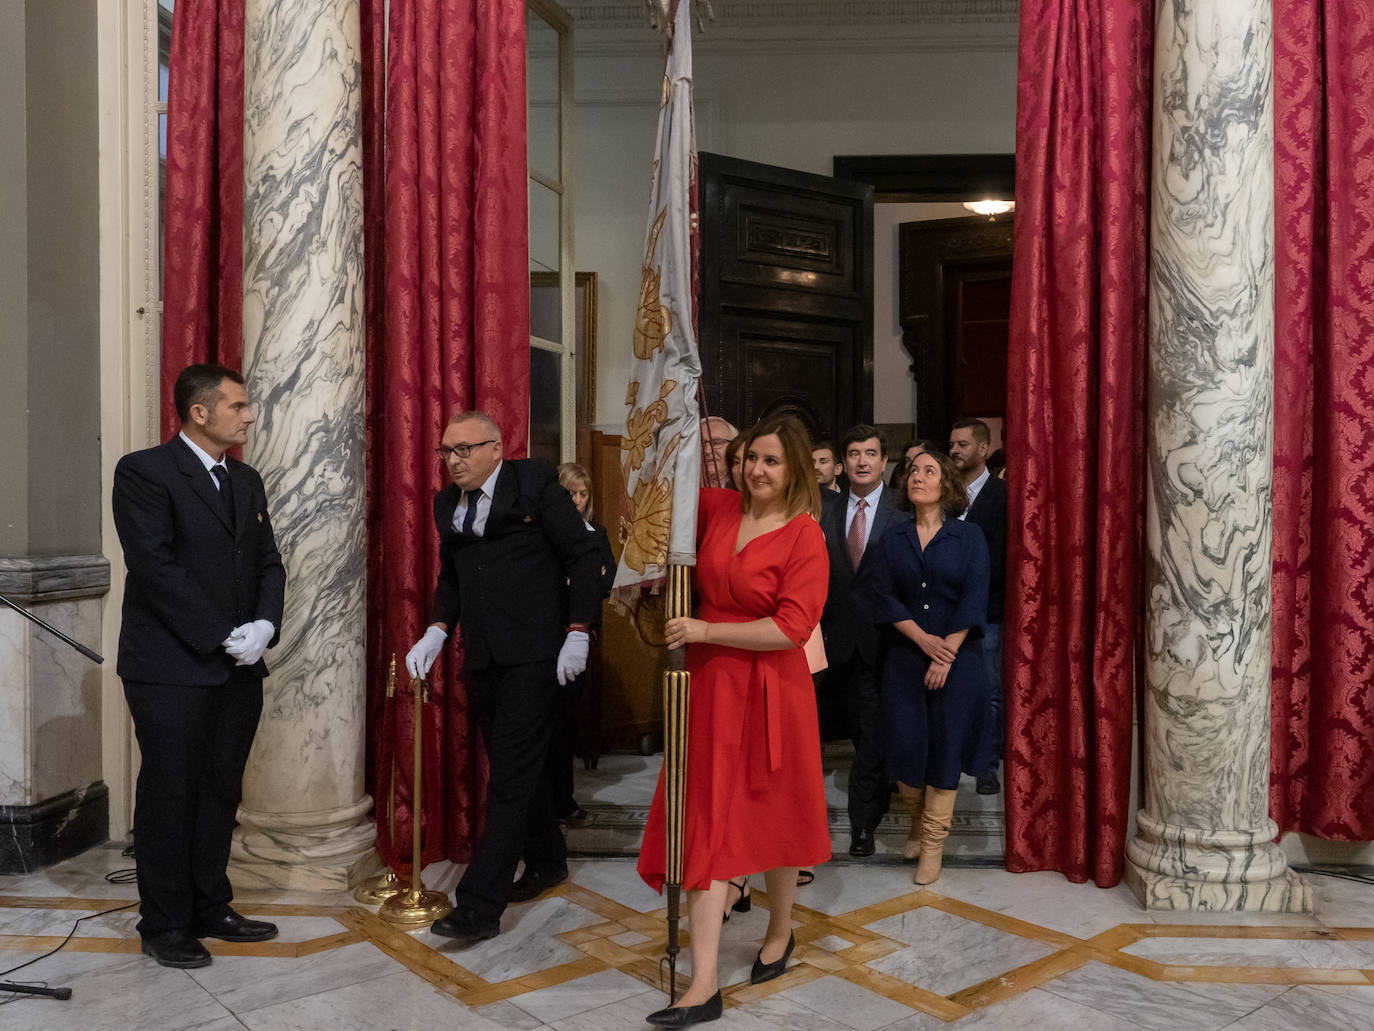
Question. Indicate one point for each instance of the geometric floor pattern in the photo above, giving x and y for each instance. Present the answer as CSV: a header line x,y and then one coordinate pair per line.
x,y
983,949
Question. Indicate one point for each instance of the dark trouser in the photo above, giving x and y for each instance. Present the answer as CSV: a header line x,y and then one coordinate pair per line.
x,y
868,785
194,743
991,645
561,746
515,710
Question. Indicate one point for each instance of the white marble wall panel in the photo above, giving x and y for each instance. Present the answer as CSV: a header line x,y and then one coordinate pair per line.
x,y
1204,838
49,703
66,699
303,345
15,774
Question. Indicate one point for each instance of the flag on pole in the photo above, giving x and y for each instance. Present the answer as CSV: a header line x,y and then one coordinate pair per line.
x,y
660,461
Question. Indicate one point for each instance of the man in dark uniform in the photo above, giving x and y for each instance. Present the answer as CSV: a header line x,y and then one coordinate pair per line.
x,y
202,602
521,575
969,441
853,522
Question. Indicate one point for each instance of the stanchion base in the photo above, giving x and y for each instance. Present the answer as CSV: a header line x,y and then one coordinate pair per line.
x,y
376,890
413,909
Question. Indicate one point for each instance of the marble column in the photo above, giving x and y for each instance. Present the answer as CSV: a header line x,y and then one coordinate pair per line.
x,y
304,819
1204,839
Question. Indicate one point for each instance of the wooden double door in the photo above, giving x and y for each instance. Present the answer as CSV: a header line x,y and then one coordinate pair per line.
x,y
786,306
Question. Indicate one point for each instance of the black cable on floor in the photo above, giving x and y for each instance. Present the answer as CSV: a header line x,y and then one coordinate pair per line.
x,y
124,876
1359,878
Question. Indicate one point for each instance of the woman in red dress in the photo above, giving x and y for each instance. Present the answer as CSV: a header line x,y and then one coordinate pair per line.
x,y
755,798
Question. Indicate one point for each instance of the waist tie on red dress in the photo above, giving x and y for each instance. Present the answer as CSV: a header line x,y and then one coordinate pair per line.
x,y
767,677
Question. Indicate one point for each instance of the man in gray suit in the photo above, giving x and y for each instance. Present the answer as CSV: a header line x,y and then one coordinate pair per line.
x,y
853,523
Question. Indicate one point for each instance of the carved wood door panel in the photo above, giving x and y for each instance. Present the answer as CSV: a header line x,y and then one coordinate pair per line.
x,y
786,305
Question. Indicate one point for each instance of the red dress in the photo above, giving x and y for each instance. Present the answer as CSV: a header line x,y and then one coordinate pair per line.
x,y
755,797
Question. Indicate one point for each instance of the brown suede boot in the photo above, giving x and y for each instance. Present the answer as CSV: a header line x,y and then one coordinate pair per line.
x,y
915,799
935,821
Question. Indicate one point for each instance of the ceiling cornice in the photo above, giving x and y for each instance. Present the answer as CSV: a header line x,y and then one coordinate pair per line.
x,y
618,14
608,27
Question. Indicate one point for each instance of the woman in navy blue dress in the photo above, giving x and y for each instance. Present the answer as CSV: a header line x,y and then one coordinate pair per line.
x,y
932,590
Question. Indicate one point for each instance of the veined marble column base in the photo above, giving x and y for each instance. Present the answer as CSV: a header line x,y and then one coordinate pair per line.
x,y
1286,893
328,850
1186,868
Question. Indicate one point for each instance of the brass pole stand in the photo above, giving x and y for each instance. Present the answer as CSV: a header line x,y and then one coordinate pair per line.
x,y
416,907
376,890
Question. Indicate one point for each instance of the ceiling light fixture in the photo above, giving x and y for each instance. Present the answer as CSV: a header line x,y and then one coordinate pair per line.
x,y
991,208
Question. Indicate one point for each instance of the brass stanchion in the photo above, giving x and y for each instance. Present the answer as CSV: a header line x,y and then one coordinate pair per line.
x,y
416,907
376,890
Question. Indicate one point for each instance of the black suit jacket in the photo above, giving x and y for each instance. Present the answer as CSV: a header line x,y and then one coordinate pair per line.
x,y
989,513
535,569
847,621
192,578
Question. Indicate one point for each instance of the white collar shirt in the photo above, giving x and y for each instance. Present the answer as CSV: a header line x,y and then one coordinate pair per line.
x,y
973,488
871,501
486,492
205,459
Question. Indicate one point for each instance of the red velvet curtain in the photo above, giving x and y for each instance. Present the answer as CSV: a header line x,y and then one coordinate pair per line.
x,y
1076,375
448,329
202,292
1323,705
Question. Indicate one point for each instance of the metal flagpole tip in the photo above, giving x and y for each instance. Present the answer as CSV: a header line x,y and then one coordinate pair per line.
x,y
376,890
415,908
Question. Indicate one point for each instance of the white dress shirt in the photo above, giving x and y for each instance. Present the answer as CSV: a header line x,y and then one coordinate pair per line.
x,y
871,501
973,488
205,459
488,491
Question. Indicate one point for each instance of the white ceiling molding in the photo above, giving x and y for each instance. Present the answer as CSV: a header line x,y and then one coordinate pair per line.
x,y
608,27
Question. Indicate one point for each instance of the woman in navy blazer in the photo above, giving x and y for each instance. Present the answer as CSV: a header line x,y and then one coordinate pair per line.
x,y
931,585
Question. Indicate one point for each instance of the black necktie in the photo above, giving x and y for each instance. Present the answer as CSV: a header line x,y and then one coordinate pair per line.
x,y
470,517
226,490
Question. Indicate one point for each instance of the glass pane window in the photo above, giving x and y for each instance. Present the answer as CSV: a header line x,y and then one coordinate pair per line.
x,y
545,237
546,405
541,96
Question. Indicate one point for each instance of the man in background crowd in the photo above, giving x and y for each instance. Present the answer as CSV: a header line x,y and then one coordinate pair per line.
x,y
853,522
716,435
827,465
969,443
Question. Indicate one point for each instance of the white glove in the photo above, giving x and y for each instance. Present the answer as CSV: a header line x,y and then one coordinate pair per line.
x,y
426,650
248,642
572,657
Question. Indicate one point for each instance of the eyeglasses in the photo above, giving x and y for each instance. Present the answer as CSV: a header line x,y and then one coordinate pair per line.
x,y
460,450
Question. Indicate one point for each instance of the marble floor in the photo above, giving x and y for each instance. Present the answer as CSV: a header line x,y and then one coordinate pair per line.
x,y
616,796
983,949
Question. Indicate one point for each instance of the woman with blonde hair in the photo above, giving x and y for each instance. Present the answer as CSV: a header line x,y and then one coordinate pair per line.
x,y
577,482
931,587
755,797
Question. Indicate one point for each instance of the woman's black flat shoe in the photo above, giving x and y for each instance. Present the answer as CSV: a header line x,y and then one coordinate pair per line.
x,y
767,971
686,1016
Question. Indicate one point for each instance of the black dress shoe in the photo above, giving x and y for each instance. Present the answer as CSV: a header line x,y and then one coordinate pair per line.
x,y
988,784
767,971
178,949
686,1016
466,927
234,928
861,843
533,883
